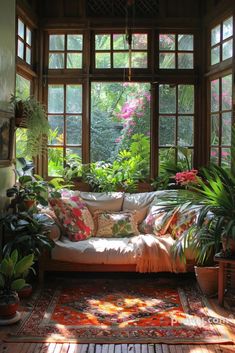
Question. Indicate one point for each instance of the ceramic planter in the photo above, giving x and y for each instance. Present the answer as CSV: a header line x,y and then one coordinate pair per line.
x,y
207,278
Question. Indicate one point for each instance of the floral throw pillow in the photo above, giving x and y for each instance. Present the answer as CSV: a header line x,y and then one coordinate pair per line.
x,y
74,217
157,221
110,224
181,222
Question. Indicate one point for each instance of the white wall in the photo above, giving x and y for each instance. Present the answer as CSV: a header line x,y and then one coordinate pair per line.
x,y
7,80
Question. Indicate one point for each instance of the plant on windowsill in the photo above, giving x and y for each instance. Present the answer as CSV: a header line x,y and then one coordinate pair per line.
x,y
30,113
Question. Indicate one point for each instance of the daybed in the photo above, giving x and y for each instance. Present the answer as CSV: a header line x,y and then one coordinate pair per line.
x,y
146,249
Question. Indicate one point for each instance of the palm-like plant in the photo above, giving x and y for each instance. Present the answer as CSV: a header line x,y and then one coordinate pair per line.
x,y
213,201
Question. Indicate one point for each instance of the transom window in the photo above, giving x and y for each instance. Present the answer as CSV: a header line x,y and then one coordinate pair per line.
x,y
221,120
176,51
65,119
65,51
24,42
222,41
176,125
112,51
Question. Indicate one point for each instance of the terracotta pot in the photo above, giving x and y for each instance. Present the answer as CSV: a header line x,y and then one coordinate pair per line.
x,y
207,278
25,292
9,304
29,204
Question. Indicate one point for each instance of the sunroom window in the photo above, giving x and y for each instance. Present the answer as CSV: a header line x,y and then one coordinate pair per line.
x,y
222,41
112,51
176,51
65,119
176,125
221,120
24,42
65,51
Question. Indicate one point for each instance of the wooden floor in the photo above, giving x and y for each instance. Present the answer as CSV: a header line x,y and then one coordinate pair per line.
x,y
112,348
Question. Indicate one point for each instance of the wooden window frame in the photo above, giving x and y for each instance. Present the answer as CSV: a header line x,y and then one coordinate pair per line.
x,y
220,43
113,51
176,51
23,40
65,51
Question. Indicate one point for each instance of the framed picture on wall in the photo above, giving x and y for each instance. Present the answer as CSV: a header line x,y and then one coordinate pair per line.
x,y
6,138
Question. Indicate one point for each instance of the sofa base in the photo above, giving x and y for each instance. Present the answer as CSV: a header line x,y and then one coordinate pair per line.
x,y
47,264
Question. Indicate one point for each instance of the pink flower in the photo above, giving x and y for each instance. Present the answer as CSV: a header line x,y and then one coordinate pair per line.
x,y
184,178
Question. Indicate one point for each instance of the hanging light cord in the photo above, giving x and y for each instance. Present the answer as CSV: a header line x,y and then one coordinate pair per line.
x,y
129,16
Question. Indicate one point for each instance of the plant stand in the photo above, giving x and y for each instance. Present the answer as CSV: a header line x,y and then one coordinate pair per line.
x,y
11,320
226,270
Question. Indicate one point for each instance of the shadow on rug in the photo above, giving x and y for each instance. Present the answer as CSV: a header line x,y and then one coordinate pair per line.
x,y
120,311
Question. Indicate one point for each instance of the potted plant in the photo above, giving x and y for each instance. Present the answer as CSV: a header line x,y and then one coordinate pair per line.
x,y
12,273
31,114
27,233
212,198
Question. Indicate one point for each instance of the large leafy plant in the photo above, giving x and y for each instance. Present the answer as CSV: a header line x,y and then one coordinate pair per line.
x,y
213,202
13,271
28,233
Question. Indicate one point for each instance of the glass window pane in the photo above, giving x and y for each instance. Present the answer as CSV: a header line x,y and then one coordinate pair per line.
x,y
226,128
226,157
167,42
20,28
185,42
74,42
227,49
28,36
55,161
56,61
74,98
228,28
74,61
214,155
74,151
56,135
28,55
215,55
120,42
120,120
55,99
215,96
139,41
20,49
167,131
185,61
185,131
102,60
23,87
167,60
56,42
215,130
74,130
184,162
167,99
102,41
227,92
215,35
139,60
121,60
165,155
185,99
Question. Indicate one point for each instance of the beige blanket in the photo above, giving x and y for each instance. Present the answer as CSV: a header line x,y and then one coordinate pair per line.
x,y
153,254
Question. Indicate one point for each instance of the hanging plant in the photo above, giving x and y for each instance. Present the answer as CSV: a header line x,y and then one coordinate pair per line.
x,y
30,113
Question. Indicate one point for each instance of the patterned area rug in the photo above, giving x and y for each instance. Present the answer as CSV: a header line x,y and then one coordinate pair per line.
x,y
120,311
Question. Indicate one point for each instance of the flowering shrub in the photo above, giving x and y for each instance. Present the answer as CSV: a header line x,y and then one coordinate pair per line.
x,y
186,177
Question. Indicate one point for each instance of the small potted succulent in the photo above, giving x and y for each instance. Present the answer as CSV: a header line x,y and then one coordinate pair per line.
x,y
12,273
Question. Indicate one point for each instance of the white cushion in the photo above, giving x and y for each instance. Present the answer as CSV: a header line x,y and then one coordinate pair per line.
x,y
111,201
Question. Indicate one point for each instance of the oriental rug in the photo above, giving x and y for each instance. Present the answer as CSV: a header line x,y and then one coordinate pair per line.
x,y
120,311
